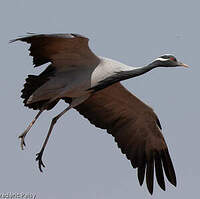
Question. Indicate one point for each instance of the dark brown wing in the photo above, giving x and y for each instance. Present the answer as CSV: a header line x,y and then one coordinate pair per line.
x,y
60,49
136,130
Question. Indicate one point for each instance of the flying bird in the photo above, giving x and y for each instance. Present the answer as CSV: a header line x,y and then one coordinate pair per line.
x,y
91,85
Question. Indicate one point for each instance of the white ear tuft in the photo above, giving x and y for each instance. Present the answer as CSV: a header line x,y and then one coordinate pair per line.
x,y
161,59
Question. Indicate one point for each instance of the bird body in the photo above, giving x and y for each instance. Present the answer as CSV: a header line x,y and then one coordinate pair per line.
x,y
77,81
70,83
90,84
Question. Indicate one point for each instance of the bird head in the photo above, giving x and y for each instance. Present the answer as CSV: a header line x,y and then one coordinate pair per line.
x,y
168,61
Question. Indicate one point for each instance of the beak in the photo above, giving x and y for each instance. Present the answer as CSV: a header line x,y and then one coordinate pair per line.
x,y
183,65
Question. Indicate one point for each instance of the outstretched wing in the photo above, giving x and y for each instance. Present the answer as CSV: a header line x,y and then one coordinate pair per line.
x,y
136,130
60,49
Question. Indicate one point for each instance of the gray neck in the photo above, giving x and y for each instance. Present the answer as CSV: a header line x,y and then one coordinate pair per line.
x,y
122,75
135,72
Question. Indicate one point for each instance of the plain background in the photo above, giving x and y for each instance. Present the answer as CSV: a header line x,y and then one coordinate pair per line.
x,y
81,160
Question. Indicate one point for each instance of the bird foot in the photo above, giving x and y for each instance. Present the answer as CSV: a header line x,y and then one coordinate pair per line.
x,y
39,159
22,142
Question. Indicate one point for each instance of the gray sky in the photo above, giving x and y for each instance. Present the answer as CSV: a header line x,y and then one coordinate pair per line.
x,y
81,160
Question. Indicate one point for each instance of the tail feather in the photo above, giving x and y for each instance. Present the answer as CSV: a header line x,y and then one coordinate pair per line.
x,y
33,82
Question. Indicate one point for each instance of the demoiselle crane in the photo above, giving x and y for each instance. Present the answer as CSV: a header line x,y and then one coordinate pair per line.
x,y
91,85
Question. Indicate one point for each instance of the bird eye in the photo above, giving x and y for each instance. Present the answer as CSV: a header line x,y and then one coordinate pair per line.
x,y
173,59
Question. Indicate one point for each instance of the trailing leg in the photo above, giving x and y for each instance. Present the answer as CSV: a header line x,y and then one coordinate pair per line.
x,y
23,135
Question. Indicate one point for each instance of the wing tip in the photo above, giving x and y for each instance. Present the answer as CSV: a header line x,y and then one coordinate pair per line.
x,y
64,35
12,40
159,171
150,191
141,174
20,38
150,187
173,181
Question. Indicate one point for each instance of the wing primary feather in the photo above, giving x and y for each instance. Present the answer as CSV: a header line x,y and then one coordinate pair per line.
x,y
141,156
159,171
168,167
150,173
141,173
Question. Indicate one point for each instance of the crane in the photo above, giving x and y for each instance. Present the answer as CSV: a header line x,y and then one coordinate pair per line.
x,y
91,85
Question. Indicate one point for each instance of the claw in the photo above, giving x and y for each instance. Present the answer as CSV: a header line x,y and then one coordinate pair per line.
x,y
22,144
39,159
